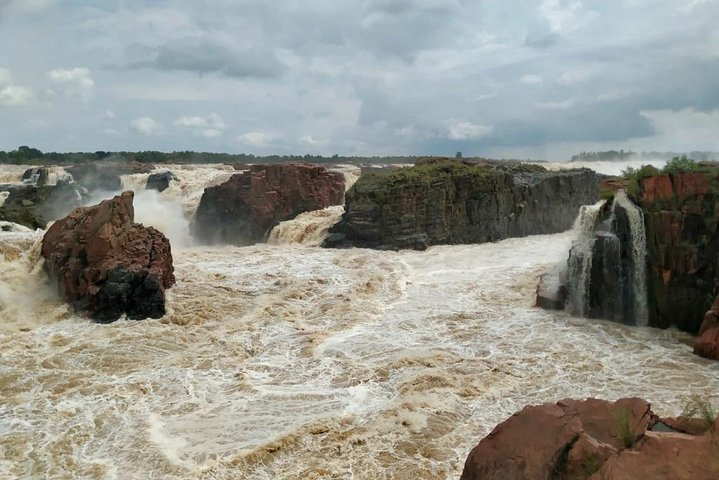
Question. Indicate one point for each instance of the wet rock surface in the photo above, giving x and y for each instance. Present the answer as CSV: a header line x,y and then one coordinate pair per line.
x,y
105,265
243,210
160,181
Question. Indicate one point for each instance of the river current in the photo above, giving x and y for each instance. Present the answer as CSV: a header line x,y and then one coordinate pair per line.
x,y
286,360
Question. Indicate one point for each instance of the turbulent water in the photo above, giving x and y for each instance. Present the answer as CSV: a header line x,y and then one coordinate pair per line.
x,y
639,257
291,361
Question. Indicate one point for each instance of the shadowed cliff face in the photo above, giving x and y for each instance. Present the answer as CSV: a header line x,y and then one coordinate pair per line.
x,y
681,215
451,202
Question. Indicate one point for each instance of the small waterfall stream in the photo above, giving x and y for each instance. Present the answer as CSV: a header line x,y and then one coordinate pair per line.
x,y
638,253
606,268
579,264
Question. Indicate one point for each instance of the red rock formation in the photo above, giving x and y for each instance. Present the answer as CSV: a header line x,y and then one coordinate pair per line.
x,y
592,439
244,209
106,265
707,341
681,218
556,439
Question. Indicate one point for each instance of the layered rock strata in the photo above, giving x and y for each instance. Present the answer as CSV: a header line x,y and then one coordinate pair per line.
x,y
445,201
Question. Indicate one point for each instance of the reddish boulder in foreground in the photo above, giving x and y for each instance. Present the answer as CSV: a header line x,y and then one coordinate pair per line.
x,y
707,341
243,210
105,265
591,439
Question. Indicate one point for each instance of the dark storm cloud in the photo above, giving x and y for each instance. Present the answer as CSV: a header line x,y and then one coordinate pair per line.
x,y
393,76
204,56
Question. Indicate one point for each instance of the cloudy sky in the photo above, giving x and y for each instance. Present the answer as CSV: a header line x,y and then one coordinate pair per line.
x,y
526,78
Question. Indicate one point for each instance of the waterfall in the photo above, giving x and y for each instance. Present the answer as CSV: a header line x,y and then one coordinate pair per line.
x,y
638,253
579,264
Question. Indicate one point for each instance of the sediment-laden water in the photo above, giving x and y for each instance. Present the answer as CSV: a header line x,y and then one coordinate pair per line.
x,y
291,361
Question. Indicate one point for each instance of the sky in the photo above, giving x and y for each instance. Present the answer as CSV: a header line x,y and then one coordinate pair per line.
x,y
540,79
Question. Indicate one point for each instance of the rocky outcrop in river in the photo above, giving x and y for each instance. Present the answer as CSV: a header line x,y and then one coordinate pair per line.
x,y
105,265
447,201
243,210
593,439
649,258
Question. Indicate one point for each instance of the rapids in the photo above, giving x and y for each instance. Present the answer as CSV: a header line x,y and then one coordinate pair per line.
x,y
291,361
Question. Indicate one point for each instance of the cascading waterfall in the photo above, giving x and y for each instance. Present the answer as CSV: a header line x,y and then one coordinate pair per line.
x,y
638,253
580,259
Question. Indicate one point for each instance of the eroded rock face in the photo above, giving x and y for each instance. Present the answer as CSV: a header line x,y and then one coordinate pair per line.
x,y
681,216
445,201
105,265
592,439
707,341
243,210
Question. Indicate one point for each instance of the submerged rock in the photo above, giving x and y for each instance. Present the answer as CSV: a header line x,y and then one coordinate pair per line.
x,y
105,265
160,181
243,210
590,439
444,201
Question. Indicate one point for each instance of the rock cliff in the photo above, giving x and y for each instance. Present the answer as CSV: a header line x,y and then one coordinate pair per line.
x,y
592,439
243,210
444,201
681,213
105,265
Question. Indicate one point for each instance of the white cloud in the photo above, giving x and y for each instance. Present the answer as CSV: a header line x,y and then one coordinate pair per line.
x,y
257,139
73,81
14,95
532,79
210,126
109,114
147,126
561,15
309,141
468,131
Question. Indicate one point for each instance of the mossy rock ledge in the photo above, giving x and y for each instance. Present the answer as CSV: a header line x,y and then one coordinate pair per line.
x,y
447,201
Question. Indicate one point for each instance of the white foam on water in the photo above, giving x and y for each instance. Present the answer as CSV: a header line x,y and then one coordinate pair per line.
x,y
308,228
283,362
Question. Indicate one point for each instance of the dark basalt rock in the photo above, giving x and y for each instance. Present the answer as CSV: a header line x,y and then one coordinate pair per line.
x,y
35,206
160,181
444,201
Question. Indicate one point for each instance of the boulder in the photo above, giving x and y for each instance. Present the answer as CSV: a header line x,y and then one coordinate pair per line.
x,y
707,341
551,291
243,210
105,175
561,440
447,201
160,181
591,439
665,456
105,265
